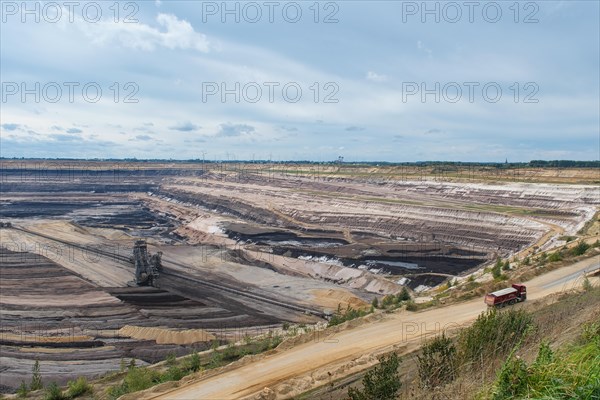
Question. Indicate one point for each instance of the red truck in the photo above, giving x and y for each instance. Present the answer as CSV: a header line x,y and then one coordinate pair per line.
x,y
504,297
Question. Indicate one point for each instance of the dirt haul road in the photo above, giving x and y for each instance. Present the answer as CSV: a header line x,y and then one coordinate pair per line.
x,y
306,366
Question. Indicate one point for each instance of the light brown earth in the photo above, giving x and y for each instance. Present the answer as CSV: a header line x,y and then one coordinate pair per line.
x,y
167,336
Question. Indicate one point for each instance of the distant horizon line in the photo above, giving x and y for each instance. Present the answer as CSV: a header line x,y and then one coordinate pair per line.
x,y
339,161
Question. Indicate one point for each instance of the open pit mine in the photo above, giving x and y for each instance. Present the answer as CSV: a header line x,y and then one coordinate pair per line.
x,y
104,262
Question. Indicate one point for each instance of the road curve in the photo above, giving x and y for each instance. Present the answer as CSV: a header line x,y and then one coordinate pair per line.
x,y
401,329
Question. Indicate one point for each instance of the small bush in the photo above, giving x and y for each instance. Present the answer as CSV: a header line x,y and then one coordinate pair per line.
x,y
580,249
437,362
36,377
137,378
404,295
140,378
285,326
497,269
512,380
493,333
556,256
388,301
347,315
230,353
381,382
123,365
375,303
53,392
23,390
591,332
194,362
174,373
171,360
411,306
545,355
216,358
567,238
79,387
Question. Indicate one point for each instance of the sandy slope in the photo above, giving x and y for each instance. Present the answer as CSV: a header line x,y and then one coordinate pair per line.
x,y
305,366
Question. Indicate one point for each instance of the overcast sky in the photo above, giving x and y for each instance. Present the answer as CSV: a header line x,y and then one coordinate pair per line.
x,y
296,81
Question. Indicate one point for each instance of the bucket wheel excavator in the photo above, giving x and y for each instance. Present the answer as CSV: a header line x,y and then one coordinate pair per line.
x,y
147,266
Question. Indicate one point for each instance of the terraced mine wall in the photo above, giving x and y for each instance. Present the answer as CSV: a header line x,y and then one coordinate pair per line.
x,y
73,327
72,315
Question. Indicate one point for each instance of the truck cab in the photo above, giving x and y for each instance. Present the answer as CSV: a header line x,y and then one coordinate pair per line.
x,y
522,290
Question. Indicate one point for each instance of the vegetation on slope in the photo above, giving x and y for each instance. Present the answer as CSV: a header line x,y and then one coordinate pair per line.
x,y
542,352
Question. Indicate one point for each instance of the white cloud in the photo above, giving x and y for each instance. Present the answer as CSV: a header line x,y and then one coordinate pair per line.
x,y
375,77
422,47
228,129
176,34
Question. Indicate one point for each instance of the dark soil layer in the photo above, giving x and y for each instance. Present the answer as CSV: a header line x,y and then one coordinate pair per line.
x,y
40,319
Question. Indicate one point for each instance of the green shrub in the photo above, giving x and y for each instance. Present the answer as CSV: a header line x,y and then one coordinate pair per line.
x,y
381,382
230,353
194,362
79,387
404,295
347,315
123,365
512,380
591,332
545,355
556,256
53,392
411,306
174,373
580,249
388,301
437,362
216,358
23,390
493,333
567,238
572,373
171,360
140,378
137,378
375,303
36,377
497,269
